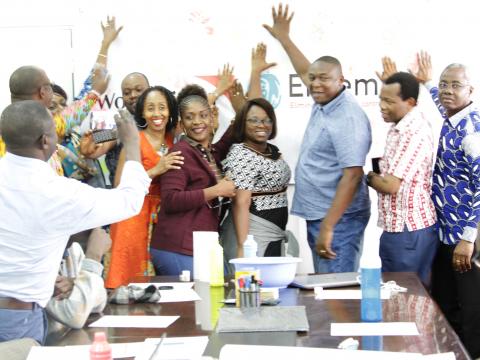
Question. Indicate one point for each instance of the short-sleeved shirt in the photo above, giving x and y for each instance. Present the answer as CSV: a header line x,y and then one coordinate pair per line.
x,y
259,173
338,136
408,156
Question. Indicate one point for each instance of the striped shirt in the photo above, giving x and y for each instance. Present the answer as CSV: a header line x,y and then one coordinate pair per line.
x,y
409,157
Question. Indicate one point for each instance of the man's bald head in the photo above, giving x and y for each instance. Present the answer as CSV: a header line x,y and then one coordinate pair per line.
x,y
27,128
454,88
30,83
460,67
133,85
137,76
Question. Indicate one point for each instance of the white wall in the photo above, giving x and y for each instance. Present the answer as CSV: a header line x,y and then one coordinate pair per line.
x,y
178,42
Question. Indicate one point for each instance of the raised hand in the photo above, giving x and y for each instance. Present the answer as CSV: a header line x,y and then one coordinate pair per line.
x,y
281,23
424,64
225,79
127,130
237,96
389,68
259,63
110,31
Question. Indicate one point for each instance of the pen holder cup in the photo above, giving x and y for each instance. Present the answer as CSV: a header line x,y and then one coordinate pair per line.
x,y
249,298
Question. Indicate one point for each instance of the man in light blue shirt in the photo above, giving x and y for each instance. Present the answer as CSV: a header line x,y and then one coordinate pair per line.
x,y
330,190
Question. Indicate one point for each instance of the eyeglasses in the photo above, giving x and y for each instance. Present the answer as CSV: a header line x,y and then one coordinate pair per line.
x,y
257,122
455,86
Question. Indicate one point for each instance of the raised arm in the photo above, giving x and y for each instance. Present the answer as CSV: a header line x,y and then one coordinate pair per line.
x,y
281,31
77,111
259,65
423,74
225,82
110,33
93,207
237,96
389,68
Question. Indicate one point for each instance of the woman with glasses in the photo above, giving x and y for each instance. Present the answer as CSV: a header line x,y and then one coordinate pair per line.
x,y
261,176
193,195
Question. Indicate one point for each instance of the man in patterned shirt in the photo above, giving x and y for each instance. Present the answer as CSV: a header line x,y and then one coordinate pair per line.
x,y
406,211
456,195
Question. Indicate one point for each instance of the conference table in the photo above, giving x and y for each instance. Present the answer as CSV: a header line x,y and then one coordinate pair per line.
x,y
199,318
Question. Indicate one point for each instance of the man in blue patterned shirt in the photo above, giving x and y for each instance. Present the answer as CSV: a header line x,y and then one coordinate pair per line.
x,y
456,195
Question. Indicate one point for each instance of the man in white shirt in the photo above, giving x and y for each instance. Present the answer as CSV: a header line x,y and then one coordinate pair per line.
x,y
40,210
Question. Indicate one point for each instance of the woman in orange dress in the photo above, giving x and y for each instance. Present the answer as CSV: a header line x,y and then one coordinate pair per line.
x,y
157,113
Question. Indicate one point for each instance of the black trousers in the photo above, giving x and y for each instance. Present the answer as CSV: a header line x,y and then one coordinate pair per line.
x,y
458,295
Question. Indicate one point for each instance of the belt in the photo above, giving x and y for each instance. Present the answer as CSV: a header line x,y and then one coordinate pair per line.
x,y
263,193
14,304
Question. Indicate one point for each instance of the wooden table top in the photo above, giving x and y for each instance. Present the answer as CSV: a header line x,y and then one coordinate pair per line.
x,y
199,318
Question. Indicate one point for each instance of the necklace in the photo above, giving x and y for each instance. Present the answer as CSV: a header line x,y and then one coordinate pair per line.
x,y
267,153
163,150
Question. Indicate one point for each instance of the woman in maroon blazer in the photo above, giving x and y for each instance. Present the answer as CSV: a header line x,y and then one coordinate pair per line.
x,y
191,196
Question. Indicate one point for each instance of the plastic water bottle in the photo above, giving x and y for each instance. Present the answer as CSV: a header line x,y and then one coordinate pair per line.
x,y
216,265
100,349
371,275
250,247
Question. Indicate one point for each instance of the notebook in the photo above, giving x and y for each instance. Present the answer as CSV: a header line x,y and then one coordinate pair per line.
x,y
331,280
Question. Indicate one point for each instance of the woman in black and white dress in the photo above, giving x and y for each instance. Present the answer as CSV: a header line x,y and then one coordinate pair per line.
x,y
261,176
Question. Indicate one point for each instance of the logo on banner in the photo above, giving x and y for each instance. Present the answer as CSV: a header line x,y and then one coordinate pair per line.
x,y
271,89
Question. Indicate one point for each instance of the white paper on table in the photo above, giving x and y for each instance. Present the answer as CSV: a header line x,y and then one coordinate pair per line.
x,y
374,329
134,321
82,352
323,294
441,356
52,353
180,295
175,285
254,352
191,347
